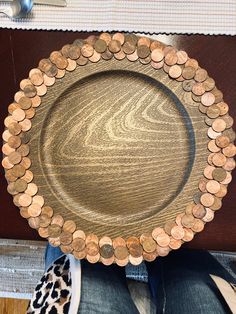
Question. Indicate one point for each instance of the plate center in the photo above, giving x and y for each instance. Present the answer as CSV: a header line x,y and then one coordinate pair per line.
x,y
117,147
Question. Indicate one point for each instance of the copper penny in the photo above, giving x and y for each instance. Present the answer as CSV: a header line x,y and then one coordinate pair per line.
x,y
9,176
25,103
219,125
222,141
41,90
24,82
135,249
90,40
208,99
199,211
166,68
132,240
223,107
91,238
230,164
209,215
168,226
106,251
175,71
9,120
36,101
66,249
47,210
202,184
129,48
212,187
71,65
43,232
188,235
65,238
197,98
156,231
217,204
32,189
219,159
163,251
18,114
188,72
24,212
188,209
49,81
120,55
171,58
25,200
230,150
18,171
198,89
93,258
114,46
192,63
209,84
6,135
213,111
6,163
34,210
149,245
106,37
58,220
60,74
202,108
198,225
100,46
118,242
131,38
23,150
20,185
45,220
14,158
25,125
188,85
213,147
73,53
69,226
6,149
228,178
30,113
212,134
188,221
222,192
28,176
107,55
228,120
95,57
119,37
157,55
143,51
92,248
135,260
121,252
201,75
218,95
182,57
18,95
162,239
36,78
133,56
230,134
149,257
107,261
175,244
156,44
219,174
209,159
196,197
80,254
38,199
78,244
144,237
54,241
105,240
79,234
177,232
207,199
144,41
157,65
11,190
33,222
145,60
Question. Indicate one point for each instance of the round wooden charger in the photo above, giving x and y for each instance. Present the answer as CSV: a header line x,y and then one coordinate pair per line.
x,y
118,148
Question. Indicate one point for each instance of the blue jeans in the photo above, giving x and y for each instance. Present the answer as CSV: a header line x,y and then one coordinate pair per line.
x,y
179,284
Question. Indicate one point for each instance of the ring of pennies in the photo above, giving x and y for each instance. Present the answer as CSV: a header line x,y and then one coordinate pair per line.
x,y
212,186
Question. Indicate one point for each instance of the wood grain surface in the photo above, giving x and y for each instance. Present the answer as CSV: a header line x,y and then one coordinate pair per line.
x,y
13,306
199,47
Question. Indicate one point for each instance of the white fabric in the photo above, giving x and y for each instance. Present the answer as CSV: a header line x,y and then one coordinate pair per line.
x,y
75,268
150,16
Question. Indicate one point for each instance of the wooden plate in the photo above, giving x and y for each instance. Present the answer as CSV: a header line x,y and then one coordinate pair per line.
x,y
118,149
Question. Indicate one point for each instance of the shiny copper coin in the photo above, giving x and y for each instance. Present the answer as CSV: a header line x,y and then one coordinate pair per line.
x,y
14,158
219,159
9,120
107,261
144,41
132,240
18,95
106,251
36,101
92,238
69,226
28,176
209,84
192,63
92,248
41,90
122,262
121,252
95,57
213,111
6,135
66,249
175,244
120,55
177,232
65,238
114,46
34,210
222,192
222,141
213,134
14,141
198,89
175,71
208,99
223,107
105,240
209,215
230,150
24,212
6,149
213,147
93,258
149,257
78,244
188,235
71,65
25,103
25,200
43,232
11,190
171,58
143,51
207,199
80,254
54,241
219,125
107,55
196,98
157,65
201,75
230,164
24,82
129,48
213,187
199,211
9,176
38,199
18,114
25,125
33,222
133,56
100,46
188,221
79,234
188,73
32,189
145,236
58,220
23,150
20,185
202,109
162,239
90,40
198,225
228,178
54,55
47,210
119,37
149,245
157,55
217,204
182,57
30,113
146,60
156,45
73,53
37,78
60,74
106,37
49,81
163,251
135,260
45,220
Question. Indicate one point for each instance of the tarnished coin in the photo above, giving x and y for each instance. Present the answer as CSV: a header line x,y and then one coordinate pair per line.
x,y
92,248
143,51
188,221
188,73
106,251
219,174
114,46
199,211
201,75
230,150
65,238
121,252
222,141
78,244
100,46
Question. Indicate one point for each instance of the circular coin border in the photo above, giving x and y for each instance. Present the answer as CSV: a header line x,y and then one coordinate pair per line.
x,y
213,183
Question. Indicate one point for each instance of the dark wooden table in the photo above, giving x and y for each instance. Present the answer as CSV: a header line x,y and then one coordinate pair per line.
x,y
21,50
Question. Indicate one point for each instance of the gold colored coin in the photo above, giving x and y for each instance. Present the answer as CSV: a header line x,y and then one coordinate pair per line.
x,y
18,171
217,204
168,226
213,111
149,245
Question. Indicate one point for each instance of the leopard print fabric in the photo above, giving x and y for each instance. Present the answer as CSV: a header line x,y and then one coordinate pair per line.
x,y
52,294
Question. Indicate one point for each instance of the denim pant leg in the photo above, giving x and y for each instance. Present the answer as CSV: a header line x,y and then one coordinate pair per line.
x,y
51,255
104,290
180,283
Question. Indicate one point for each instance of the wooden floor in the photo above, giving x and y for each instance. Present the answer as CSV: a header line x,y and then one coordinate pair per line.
x,y
13,306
